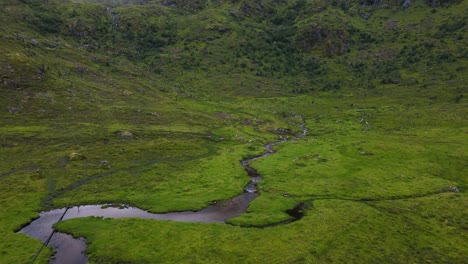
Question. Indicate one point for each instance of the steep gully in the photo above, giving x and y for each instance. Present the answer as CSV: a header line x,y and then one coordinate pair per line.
x,y
70,250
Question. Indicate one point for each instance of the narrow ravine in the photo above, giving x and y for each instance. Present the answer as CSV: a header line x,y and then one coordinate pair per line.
x,y
71,251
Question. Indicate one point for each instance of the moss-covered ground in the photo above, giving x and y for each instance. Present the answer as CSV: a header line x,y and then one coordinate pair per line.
x,y
157,111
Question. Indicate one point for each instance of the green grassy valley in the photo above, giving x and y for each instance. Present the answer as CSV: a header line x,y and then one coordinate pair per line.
x,y
154,103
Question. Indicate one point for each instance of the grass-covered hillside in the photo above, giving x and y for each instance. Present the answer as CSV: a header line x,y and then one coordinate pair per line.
x,y
154,103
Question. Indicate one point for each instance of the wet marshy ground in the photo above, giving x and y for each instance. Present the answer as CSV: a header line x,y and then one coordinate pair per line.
x,y
71,251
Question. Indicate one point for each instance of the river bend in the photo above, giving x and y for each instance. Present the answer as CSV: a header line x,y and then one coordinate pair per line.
x,y
71,251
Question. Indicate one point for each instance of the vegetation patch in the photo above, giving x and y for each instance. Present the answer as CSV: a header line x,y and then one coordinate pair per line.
x,y
154,104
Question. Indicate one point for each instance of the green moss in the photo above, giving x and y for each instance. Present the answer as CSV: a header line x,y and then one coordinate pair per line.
x,y
202,86
333,231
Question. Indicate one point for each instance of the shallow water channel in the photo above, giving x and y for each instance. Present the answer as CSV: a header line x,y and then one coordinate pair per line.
x,y
71,251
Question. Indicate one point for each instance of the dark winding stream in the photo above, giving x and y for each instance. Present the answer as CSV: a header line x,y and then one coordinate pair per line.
x,y
71,251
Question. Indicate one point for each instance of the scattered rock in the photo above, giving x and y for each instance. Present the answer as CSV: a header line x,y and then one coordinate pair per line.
x,y
13,109
320,159
20,36
34,42
80,69
41,71
453,189
391,24
76,156
366,153
283,130
168,3
104,164
223,115
125,134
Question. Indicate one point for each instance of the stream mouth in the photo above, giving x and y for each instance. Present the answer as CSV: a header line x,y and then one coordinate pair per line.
x,y
71,251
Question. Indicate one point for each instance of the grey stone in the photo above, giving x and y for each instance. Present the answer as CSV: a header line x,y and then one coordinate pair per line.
x,y
125,134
